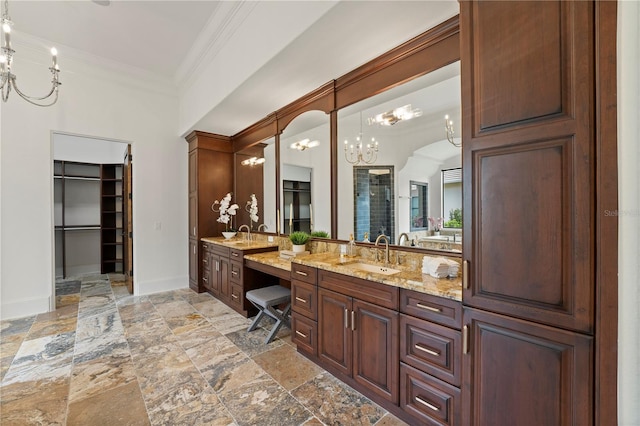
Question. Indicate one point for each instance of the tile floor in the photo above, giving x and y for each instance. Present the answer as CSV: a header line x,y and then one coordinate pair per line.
x,y
174,358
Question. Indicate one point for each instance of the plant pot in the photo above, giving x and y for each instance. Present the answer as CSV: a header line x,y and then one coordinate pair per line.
x,y
228,235
436,233
299,248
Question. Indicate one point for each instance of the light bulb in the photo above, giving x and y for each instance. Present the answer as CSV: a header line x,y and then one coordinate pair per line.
x,y
6,27
54,51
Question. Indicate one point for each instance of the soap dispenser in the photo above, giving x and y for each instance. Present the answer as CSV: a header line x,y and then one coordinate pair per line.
x,y
351,250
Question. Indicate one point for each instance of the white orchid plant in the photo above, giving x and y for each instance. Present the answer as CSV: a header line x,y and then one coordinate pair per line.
x,y
227,211
252,208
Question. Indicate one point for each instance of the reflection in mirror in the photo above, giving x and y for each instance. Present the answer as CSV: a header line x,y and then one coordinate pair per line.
x,y
255,171
305,174
373,194
452,198
408,124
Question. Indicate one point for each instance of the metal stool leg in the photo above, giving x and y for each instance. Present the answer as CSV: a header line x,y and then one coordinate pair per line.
x,y
280,317
257,319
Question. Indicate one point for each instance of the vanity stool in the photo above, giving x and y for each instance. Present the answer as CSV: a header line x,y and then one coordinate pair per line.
x,y
266,300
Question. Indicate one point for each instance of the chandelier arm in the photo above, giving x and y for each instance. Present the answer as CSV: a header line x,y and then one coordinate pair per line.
x,y
6,90
33,100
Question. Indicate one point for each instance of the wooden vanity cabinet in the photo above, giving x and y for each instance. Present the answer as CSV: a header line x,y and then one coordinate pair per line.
x,y
225,276
358,333
430,358
304,307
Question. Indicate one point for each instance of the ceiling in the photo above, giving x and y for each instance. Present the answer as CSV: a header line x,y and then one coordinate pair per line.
x,y
314,43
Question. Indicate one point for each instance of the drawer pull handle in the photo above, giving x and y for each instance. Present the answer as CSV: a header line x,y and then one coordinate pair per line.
x,y
205,261
234,254
465,339
234,273
346,319
304,274
426,404
353,320
234,296
429,351
300,299
205,280
465,274
428,308
304,336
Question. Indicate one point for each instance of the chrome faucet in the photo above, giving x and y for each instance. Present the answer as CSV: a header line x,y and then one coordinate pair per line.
x,y
406,237
386,248
248,231
262,227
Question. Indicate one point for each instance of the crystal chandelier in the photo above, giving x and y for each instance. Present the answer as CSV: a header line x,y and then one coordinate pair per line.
x,y
253,161
448,128
6,59
356,154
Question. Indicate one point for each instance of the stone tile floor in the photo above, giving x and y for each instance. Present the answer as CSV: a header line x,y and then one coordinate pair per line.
x,y
105,357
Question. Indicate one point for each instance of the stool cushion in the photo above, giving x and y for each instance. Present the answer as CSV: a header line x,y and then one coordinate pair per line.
x,y
269,296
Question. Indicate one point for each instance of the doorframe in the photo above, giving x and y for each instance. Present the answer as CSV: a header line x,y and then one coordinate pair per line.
x,y
52,298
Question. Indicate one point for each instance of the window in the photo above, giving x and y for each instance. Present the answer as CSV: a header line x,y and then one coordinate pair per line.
x,y
452,198
419,203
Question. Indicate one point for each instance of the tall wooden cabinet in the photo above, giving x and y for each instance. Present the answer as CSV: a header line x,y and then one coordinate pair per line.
x,y
529,161
111,218
210,179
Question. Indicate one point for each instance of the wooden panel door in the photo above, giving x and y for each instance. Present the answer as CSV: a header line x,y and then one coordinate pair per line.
x,y
127,196
520,372
375,349
334,337
528,159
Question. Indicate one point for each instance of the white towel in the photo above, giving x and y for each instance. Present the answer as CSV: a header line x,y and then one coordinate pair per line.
x,y
439,267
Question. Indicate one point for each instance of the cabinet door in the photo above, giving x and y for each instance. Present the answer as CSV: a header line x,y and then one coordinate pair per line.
x,y
528,159
193,264
225,288
214,278
375,349
334,336
516,369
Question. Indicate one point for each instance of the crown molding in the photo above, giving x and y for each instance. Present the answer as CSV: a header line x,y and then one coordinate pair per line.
x,y
221,26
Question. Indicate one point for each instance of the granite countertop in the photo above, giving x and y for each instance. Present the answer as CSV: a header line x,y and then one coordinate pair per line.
x,y
450,288
270,258
239,243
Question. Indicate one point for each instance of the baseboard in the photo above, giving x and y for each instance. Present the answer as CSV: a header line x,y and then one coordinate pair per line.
x,y
141,288
24,308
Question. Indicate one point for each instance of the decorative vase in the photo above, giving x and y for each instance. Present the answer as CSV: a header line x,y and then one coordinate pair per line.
x,y
436,233
228,235
299,248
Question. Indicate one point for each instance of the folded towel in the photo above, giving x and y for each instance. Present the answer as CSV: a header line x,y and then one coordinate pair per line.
x,y
440,267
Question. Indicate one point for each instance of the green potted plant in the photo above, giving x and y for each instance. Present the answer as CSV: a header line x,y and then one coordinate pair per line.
x,y
320,234
299,240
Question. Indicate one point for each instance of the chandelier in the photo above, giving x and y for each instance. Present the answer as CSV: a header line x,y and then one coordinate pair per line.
x,y
448,128
390,118
253,161
304,144
6,59
357,154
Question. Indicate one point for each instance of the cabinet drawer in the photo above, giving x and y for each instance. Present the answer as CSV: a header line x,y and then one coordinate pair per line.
x,y
303,334
431,348
235,271
369,291
427,399
436,309
304,273
304,299
235,254
222,251
236,295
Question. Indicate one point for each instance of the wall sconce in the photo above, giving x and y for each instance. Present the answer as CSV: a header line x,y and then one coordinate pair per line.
x,y
448,128
253,161
304,144
390,118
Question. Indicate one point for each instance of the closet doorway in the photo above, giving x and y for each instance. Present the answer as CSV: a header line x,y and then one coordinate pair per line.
x,y
92,213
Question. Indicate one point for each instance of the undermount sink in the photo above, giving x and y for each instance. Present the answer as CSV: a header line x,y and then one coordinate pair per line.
x,y
376,269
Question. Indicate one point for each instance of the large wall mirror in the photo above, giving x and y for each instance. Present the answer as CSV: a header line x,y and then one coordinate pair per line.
x,y
398,190
255,173
305,155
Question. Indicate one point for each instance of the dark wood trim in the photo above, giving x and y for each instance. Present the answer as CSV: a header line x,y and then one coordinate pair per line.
x,y
321,99
334,173
210,141
606,348
278,196
427,52
263,129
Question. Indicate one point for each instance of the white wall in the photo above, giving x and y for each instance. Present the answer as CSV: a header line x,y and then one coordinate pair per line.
x,y
629,213
96,103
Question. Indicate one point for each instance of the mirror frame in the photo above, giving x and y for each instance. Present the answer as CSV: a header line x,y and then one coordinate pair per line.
x,y
431,50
